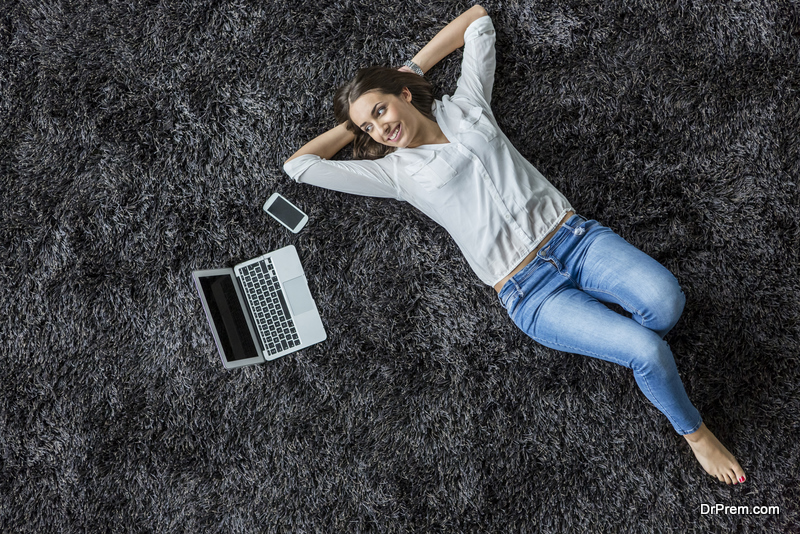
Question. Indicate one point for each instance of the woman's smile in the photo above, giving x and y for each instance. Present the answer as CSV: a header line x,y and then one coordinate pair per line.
x,y
395,135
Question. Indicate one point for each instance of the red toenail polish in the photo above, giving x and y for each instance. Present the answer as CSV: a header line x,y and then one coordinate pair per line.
x,y
741,479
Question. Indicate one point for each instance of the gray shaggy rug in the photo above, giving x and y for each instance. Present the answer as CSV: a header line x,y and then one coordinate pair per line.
x,y
138,141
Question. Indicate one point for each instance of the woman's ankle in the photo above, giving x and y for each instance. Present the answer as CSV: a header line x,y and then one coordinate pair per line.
x,y
698,434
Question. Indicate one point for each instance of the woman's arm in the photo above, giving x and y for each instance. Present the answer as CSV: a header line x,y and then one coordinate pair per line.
x,y
446,41
326,145
450,38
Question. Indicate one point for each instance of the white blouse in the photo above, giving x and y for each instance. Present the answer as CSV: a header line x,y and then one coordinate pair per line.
x,y
492,201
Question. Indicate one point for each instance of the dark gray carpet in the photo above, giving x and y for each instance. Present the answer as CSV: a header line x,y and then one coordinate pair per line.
x,y
139,141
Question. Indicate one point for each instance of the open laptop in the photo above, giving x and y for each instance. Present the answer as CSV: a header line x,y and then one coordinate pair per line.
x,y
261,309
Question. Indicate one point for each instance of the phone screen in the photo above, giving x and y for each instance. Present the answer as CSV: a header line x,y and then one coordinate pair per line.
x,y
284,211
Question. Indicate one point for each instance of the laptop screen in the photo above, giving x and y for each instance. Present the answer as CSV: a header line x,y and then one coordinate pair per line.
x,y
228,317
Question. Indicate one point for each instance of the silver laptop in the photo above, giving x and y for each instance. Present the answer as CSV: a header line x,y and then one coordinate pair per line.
x,y
261,309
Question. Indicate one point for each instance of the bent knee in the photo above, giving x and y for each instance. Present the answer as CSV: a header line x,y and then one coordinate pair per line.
x,y
668,302
655,357
673,304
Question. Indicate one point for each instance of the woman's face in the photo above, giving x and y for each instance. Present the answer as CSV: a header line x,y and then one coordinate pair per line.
x,y
390,120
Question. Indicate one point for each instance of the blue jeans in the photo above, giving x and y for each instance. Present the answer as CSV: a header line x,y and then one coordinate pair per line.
x,y
557,299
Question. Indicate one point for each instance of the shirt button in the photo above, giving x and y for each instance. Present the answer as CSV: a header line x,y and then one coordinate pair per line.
x,y
508,217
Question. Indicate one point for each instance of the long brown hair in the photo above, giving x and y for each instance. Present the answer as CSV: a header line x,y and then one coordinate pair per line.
x,y
386,80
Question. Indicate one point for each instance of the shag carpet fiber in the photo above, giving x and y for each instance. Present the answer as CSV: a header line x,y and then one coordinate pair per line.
x,y
138,141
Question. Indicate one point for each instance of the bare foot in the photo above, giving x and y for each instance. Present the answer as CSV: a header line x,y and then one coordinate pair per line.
x,y
714,457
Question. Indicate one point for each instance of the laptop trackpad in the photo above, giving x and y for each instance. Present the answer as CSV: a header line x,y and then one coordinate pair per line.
x,y
298,295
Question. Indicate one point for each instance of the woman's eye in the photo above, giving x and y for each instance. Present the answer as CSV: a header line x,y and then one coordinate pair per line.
x,y
379,112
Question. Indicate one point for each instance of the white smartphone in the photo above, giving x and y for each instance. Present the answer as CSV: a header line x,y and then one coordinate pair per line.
x,y
286,213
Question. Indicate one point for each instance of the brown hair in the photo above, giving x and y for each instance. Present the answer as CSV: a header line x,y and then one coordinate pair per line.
x,y
386,80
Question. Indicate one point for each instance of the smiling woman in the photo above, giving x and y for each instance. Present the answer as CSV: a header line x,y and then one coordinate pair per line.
x,y
389,81
554,271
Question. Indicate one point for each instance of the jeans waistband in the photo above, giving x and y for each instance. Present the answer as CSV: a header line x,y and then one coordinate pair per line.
x,y
573,222
571,226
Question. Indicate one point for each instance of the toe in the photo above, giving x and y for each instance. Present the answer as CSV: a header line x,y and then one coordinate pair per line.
x,y
739,474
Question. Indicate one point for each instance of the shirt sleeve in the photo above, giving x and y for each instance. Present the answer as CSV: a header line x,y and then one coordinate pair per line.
x,y
478,64
361,177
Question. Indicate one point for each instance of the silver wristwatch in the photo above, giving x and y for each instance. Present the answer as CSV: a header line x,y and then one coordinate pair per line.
x,y
413,66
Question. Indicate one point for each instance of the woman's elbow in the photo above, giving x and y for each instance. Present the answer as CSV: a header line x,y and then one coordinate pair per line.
x,y
293,156
479,11
301,152
289,167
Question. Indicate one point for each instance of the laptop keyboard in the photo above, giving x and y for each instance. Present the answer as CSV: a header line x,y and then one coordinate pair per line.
x,y
273,320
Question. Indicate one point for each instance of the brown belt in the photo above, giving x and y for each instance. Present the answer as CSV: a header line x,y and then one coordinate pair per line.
x,y
529,257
